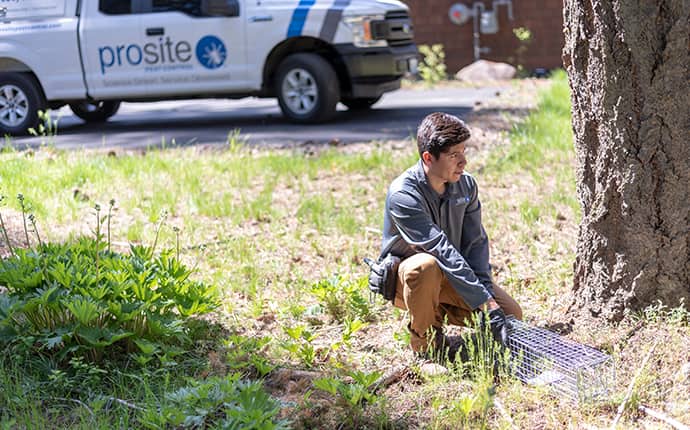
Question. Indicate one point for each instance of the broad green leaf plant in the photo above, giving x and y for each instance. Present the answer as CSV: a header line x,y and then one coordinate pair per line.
x,y
80,299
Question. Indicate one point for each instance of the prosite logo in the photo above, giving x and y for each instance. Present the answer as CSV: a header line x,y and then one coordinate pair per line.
x,y
210,52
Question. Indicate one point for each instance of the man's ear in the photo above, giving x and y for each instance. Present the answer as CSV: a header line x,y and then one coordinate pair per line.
x,y
427,158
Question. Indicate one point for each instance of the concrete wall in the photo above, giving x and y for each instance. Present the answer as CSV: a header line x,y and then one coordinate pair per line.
x,y
544,18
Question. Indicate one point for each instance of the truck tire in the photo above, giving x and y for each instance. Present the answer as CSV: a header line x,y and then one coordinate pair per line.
x,y
98,111
308,88
362,103
20,101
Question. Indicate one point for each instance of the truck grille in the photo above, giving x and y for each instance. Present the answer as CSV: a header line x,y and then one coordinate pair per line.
x,y
397,14
397,28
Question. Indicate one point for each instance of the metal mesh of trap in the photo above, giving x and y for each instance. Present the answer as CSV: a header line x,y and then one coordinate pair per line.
x,y
573,370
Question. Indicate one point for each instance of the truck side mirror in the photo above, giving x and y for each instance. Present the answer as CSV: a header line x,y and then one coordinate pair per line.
x,y
227,8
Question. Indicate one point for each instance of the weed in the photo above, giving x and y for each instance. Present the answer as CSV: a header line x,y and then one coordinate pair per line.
x,y
343,299
402,337
235,142
529,212
466,409
660,313
47,127
77,374
300,344
245,353
351,395
350,328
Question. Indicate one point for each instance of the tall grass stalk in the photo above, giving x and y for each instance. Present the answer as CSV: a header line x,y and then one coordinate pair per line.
x,y
20,198
110,214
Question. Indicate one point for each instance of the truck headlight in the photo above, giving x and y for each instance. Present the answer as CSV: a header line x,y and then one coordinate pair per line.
x,y
367,30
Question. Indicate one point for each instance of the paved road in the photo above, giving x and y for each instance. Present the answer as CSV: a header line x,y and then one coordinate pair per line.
x,y
259,121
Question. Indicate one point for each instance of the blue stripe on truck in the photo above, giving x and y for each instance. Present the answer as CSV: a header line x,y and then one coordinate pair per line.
x,y
299,16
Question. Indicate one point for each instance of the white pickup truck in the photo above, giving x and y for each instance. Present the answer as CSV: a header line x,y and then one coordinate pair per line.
x,y
94,54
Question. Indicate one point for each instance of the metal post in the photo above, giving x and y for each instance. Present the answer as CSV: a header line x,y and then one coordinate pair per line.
x,y
478,8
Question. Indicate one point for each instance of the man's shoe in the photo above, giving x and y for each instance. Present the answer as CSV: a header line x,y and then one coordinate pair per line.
x,y
437,350
457,349
430,369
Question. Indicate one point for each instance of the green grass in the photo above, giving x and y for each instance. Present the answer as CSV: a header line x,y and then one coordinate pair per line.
x,y
543,141
224,184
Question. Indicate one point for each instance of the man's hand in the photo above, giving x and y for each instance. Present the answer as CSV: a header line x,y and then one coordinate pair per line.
x,y
490,305
497,324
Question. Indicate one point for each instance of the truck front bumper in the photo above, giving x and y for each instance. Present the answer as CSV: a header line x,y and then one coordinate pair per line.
x,y
374,71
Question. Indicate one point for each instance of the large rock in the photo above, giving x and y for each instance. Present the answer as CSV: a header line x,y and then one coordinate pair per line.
x,y
486,70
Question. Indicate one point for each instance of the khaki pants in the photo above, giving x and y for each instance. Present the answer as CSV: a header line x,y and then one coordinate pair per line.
x,y
425,292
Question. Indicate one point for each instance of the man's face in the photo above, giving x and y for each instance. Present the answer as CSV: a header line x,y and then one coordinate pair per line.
x,y
449,165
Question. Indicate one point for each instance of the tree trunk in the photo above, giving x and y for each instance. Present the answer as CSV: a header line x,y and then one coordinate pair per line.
x,y
627,62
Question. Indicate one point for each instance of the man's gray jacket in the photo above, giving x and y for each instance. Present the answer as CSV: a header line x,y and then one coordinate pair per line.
x,y
449,227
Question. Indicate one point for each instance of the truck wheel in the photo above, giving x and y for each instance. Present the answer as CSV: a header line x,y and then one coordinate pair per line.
x,y
362,103
20,101
308,88
98,111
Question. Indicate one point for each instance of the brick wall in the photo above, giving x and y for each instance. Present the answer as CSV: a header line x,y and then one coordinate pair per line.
x,y
544,18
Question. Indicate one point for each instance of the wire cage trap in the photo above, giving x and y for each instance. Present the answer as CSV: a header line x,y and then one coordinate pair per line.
x,y
543,358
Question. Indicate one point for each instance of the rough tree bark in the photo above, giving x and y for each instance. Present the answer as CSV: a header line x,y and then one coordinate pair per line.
x,y
627,62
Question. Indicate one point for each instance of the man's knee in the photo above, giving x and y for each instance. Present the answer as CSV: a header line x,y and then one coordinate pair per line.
x,y
512,307
516,311
507,302
420,270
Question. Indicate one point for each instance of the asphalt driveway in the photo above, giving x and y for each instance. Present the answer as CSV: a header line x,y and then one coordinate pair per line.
x,y
258,121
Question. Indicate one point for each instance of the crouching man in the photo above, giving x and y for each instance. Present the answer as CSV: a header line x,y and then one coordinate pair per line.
x,y
432,221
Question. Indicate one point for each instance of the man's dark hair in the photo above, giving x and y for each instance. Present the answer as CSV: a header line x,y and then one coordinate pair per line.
x,y
439,131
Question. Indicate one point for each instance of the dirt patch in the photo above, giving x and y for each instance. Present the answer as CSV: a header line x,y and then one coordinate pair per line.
x,y
14,231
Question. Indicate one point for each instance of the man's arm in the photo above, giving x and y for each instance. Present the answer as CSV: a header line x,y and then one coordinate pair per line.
x,y
475,243
417,229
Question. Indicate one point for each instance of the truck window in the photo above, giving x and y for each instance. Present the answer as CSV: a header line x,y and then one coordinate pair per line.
x,y
115,7
190,7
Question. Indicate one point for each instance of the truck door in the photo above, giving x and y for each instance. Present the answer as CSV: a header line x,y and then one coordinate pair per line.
x,y
110,38
193,47
179,47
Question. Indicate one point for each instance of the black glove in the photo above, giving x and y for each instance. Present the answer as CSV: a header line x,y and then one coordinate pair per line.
x,y
497,325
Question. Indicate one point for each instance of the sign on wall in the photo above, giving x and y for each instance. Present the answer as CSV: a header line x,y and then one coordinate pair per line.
x,y
32,8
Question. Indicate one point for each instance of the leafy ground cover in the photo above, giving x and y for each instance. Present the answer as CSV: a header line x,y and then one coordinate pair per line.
x,y
295,341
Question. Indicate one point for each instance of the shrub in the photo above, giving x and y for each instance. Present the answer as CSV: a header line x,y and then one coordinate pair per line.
x,y
524,37
80,300
433,68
